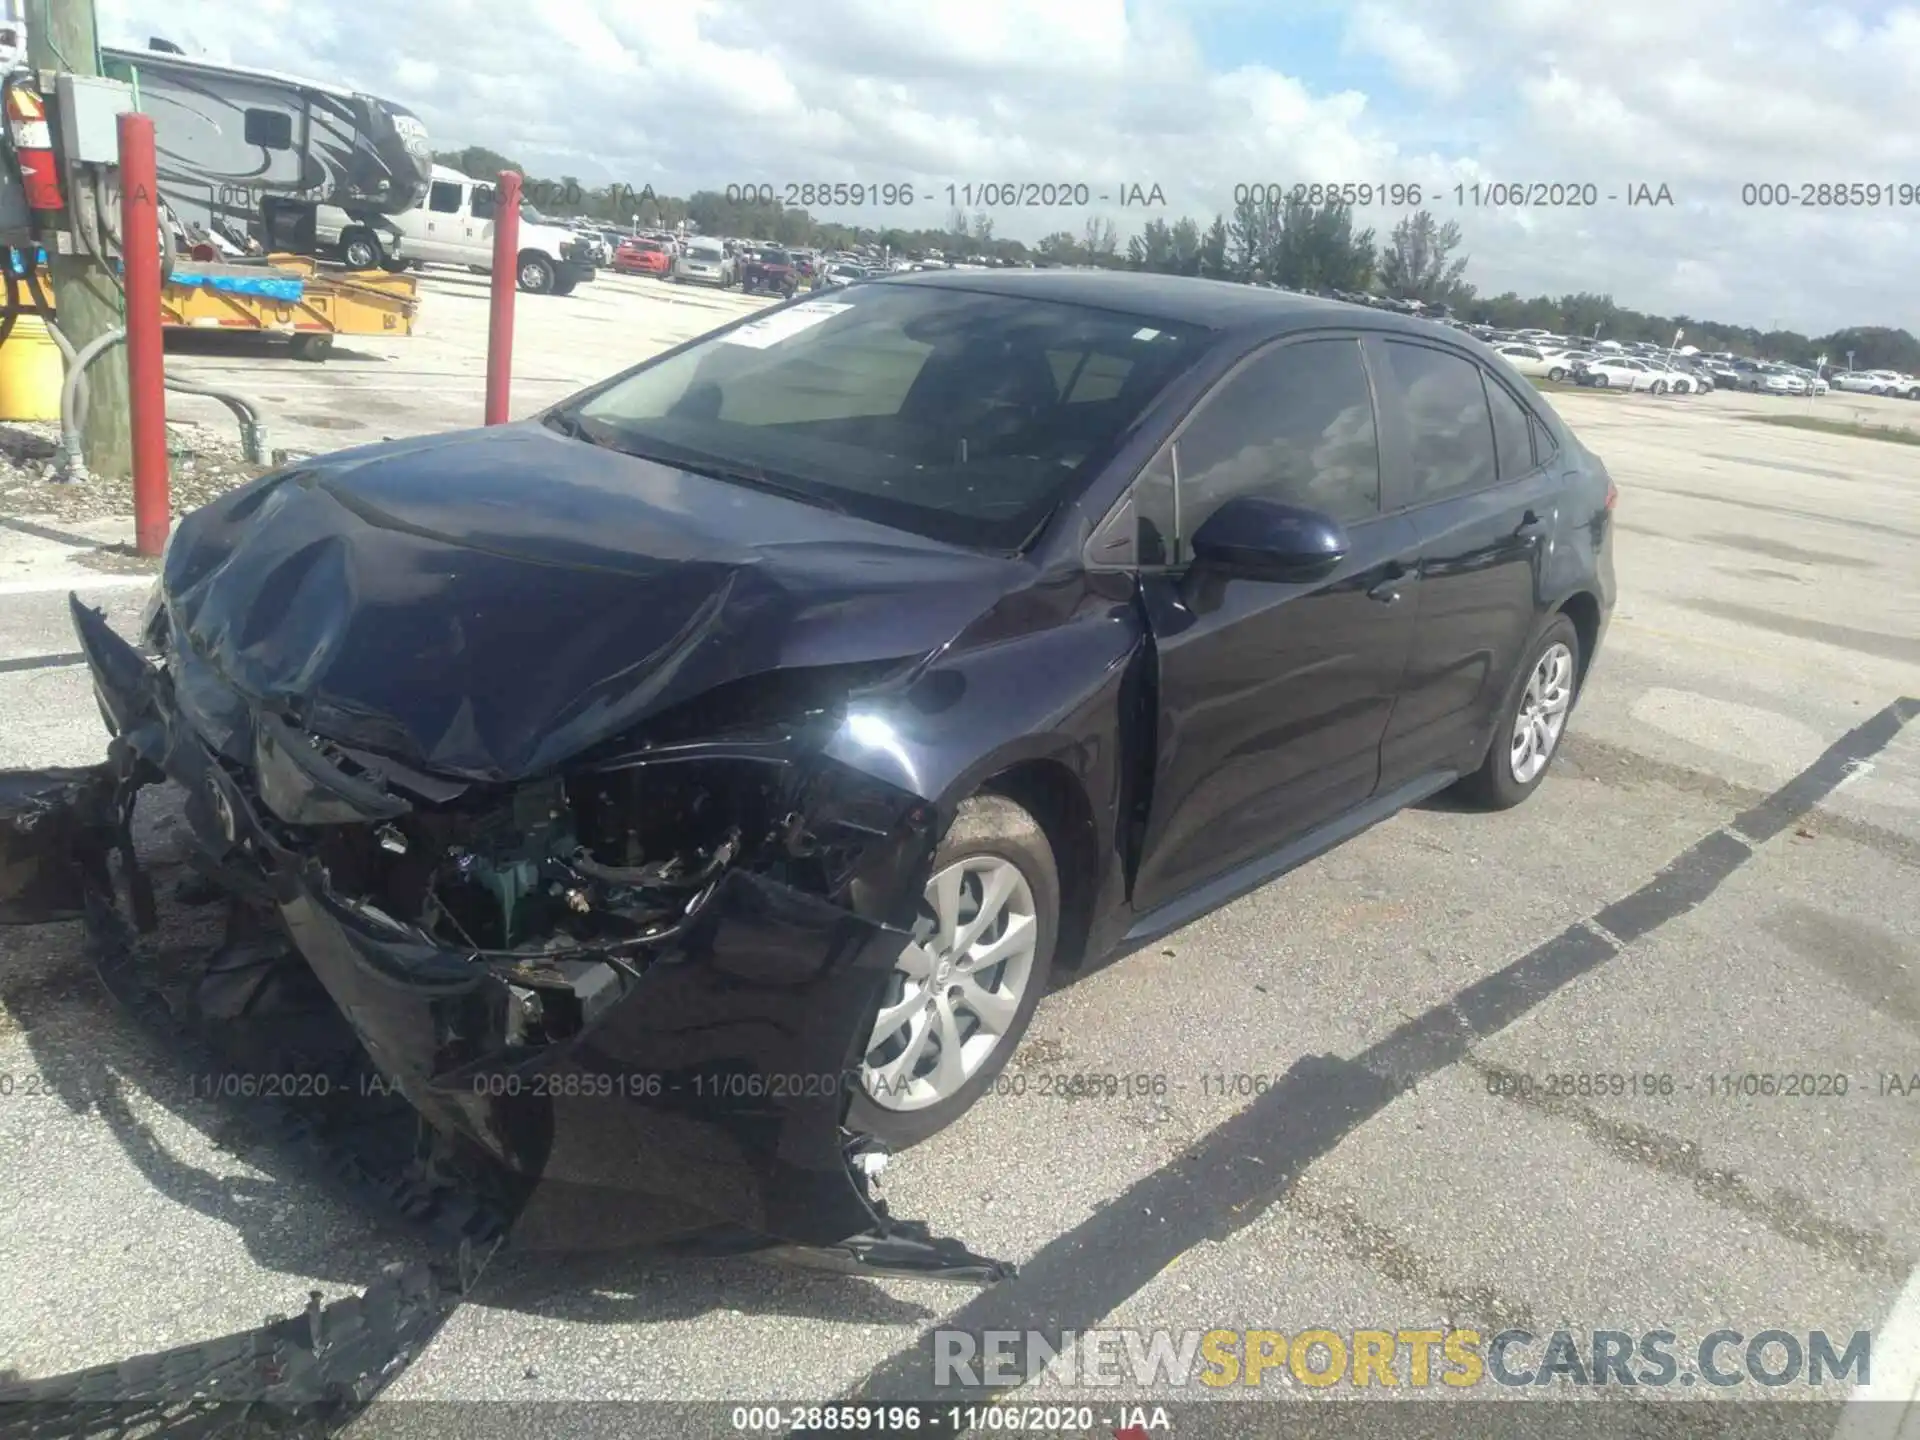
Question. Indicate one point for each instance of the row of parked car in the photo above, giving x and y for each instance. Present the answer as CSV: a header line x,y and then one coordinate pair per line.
x,y
1879,382
1660,375
754,266
1662,372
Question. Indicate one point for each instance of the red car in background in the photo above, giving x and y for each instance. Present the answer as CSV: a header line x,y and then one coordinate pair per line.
x,y
643,257
763,271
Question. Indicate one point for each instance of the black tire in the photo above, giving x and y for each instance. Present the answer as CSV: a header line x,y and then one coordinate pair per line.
x,y
1558,374
564,287
534,273
1601,381
1493,786
360,250
311,347
985,825
396,266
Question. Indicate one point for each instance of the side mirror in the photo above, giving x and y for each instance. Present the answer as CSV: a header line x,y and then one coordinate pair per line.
x,y
1265,540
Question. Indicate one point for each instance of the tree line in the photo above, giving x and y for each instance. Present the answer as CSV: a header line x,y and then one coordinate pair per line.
x,y
1281,240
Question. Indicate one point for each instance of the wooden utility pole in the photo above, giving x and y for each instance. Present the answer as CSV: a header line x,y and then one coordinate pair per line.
x,y
61,35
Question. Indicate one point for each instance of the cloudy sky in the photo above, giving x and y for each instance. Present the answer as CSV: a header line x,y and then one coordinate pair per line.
x,y
1196,96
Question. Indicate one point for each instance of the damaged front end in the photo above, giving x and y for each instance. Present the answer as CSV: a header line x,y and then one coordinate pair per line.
x,y
641,984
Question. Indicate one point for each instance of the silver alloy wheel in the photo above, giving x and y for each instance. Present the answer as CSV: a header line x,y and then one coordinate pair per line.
x,y
957,986
1543,713
532,274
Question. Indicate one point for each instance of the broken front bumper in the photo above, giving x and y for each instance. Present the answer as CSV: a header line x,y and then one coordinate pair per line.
x,y
705,1090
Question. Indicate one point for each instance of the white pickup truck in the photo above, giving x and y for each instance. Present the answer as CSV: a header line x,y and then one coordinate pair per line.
x,y
453,225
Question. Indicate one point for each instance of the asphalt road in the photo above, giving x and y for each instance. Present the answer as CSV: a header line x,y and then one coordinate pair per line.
x,y
1358,1129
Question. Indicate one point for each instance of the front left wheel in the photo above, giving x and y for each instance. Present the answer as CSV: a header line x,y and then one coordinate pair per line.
x,y
536,274
964,989
1534,718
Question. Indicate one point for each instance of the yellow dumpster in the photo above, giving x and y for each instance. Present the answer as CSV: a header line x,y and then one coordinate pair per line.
x,y
30,372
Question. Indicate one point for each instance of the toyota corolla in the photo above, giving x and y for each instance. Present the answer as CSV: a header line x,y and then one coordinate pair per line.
x,y
687,795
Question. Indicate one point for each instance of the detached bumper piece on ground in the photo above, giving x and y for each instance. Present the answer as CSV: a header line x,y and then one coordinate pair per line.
x,y
604,1055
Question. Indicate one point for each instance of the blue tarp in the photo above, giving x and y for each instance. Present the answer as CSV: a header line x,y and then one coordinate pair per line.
x,y
268,285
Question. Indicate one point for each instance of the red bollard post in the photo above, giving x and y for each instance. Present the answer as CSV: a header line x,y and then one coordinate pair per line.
x,y
146,360
506,276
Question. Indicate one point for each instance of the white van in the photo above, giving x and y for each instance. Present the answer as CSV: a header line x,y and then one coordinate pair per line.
x,y
453,225
705,262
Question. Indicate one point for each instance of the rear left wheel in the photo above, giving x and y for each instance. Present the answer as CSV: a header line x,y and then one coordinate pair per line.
x,y
1532,721
963,991
360,250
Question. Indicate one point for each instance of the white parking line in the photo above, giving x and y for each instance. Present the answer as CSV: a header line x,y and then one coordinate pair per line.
x,y
1887,1407
52,584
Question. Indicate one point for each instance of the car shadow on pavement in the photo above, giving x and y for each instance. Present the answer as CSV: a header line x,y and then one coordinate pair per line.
x,y
227,345
88,1054
88,1057
210,1155
652,1287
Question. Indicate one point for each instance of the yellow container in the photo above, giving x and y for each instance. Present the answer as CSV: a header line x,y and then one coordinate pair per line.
x,y
30,372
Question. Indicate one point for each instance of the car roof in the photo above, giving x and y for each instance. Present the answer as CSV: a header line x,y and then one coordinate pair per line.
x,y
1178,299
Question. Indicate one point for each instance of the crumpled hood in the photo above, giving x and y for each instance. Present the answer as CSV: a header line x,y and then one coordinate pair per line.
x,y
490,603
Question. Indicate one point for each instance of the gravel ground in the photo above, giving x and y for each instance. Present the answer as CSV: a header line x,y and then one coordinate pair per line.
x,y
206,464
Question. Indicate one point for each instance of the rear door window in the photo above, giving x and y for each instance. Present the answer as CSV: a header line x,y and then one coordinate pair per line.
x,y
1449,428
444,197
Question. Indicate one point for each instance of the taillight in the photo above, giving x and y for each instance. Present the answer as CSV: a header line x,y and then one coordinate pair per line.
x,y
1613,493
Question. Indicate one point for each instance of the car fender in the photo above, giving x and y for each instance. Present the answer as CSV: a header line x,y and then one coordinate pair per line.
x,y
977,707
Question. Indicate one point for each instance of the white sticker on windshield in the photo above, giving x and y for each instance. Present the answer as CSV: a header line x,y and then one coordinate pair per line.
x,y
1145,334
759,334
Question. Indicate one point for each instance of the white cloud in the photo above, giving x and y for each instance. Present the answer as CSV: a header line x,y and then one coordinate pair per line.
x,y
1701,95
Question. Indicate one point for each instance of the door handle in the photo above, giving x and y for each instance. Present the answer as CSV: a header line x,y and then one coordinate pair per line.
x,y
1387,590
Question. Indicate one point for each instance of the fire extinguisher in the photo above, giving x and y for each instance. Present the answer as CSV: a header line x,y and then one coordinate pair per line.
x,y
33,146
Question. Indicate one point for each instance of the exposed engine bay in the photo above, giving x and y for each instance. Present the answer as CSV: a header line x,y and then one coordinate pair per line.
x,y
594,869
608,858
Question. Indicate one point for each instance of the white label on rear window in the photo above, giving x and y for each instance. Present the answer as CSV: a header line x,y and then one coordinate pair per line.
x,y
771,331
1146,334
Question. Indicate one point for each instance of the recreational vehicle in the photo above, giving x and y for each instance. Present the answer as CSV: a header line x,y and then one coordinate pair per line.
x,y
249,154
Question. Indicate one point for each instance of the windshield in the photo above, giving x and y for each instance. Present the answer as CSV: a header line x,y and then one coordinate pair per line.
x,y
960,416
